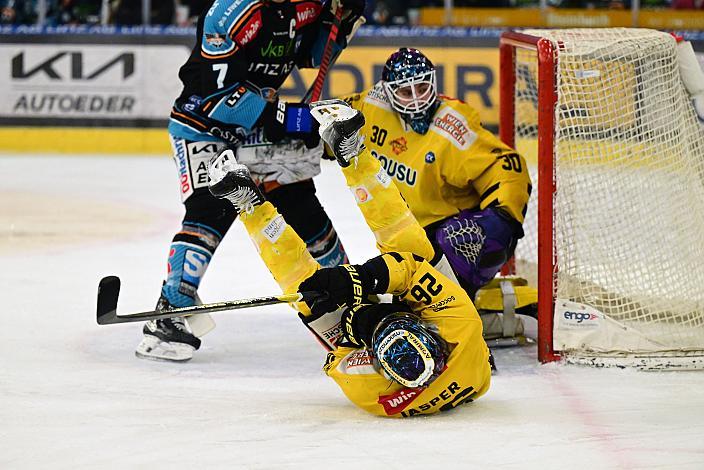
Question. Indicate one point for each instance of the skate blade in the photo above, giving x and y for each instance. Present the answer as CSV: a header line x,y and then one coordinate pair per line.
x,y
154,349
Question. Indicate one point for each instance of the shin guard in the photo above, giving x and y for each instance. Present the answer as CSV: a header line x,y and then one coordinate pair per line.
x,y
189,255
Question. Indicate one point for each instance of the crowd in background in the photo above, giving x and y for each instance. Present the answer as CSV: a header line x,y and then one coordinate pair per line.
x,y
185,12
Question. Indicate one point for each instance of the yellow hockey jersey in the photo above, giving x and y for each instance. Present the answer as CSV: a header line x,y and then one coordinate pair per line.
x,y
456,165
439,302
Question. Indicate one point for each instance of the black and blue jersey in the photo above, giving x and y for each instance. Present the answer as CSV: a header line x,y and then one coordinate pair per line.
x,y
245,51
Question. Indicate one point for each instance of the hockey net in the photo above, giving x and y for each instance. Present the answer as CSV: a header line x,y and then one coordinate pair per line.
x,y
615,225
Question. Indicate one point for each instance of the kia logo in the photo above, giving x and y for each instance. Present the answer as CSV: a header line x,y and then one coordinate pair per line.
x,y
76,66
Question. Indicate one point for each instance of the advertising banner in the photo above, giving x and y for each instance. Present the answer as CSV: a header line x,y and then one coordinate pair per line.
x,y
467,73
75,84
135,85
85,83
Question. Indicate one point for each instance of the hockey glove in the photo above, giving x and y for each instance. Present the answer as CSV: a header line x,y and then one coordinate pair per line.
x,y
281,119
358,322
343,285
352,10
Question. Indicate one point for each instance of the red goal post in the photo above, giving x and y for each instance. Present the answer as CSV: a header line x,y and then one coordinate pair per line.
x,y
507,80
604,118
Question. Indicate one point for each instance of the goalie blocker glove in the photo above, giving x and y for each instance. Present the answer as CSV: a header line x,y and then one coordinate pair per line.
x,y
281,120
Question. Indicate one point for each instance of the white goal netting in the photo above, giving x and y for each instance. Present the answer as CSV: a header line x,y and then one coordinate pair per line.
x,y
629,200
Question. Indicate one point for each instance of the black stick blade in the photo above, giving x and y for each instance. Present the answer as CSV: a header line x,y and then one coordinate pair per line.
x,y
108,293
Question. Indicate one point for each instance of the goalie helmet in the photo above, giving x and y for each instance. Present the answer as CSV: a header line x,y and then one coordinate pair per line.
x,y
408,351
408,79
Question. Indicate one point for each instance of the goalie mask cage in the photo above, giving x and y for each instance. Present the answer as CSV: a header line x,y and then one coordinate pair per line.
x,y
615,224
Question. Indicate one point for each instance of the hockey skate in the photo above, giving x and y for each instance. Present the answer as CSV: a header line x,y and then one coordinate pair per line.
x,y
232,181
339,128
169,339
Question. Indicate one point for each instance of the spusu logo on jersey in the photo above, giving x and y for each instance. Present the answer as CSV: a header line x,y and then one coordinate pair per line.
x,y
399,171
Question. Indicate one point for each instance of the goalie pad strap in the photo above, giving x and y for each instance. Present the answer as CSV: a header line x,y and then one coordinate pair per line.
x,y
510,321
497,303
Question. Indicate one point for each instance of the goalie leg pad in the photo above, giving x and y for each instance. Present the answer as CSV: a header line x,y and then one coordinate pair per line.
x,y
384,210
692,76
477,244
507,307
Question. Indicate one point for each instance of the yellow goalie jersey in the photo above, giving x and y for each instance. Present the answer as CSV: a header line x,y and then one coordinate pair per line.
x,y
457,165
440,303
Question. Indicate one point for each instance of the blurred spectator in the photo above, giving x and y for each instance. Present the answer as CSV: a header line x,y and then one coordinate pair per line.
x,y
188,11
18,12
483,3
687,4
73,12
388,12
129,12
591,4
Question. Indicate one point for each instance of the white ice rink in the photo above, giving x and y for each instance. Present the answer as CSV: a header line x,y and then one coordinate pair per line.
x,y
73,396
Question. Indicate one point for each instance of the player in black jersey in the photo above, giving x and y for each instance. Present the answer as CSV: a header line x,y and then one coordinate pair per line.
x,y
245,50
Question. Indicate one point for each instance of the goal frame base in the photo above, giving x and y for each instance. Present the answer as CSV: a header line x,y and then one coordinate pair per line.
x,y
690,360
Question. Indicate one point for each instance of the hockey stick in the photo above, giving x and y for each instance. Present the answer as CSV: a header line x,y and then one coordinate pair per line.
x,y
327,53
320,78
307,97
109,291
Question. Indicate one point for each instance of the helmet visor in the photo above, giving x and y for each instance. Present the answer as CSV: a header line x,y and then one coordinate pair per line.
x,y
405,358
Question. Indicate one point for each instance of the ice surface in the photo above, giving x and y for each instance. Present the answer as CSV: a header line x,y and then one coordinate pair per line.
x,y
72,394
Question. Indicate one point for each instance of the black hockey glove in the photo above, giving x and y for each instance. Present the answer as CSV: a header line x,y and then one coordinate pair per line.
x,y
346,285
281,119
358,322
313,139
351,11
339,286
